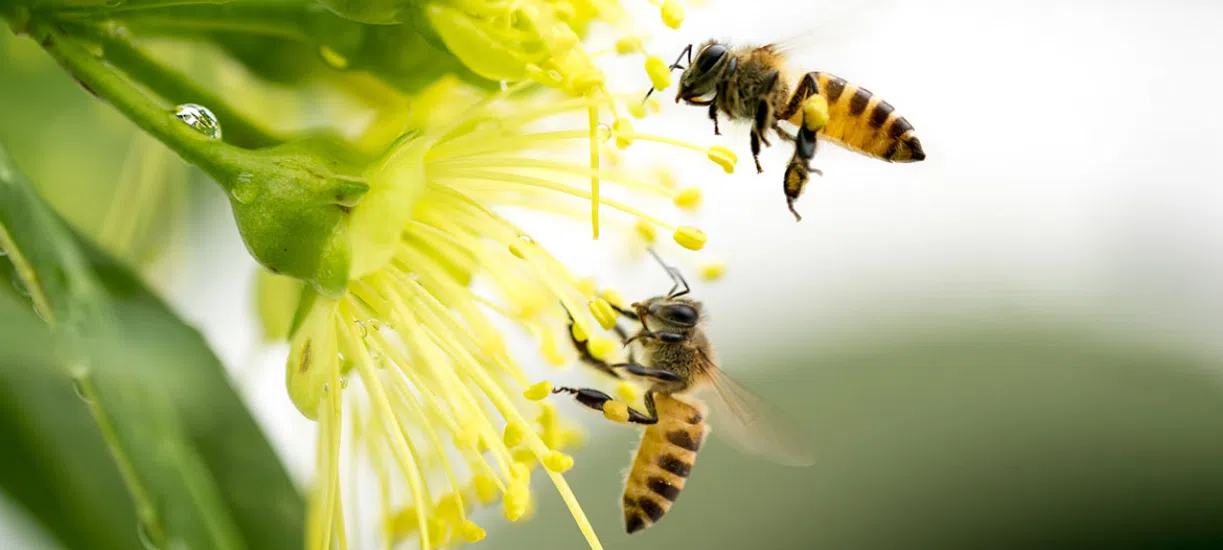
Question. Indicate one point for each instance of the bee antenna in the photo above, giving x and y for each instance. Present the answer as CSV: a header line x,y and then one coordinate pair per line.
x,y
676,276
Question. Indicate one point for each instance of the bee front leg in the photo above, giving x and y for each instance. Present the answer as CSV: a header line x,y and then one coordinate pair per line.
x,y
756,151
596,400
713,115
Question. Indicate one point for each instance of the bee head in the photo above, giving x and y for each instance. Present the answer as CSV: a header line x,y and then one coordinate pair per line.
x,y
701,76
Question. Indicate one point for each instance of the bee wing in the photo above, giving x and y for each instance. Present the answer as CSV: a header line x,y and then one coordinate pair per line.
x,y
755,427
835,26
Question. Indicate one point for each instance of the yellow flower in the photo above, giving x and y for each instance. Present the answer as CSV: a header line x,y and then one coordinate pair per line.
x,y
434,388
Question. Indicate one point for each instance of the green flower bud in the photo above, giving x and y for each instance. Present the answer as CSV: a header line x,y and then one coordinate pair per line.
x,y
292,204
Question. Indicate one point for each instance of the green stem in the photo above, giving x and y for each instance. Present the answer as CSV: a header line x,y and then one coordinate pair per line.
x,y
177,87
146,512
218,159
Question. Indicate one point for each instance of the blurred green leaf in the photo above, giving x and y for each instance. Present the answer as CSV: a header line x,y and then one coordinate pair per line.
x,y
199,470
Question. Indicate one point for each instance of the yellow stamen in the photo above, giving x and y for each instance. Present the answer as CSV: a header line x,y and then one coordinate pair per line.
x,y
672,14
558,462
689,198
538,392
603,313
713,271
659,72
724,157
690,237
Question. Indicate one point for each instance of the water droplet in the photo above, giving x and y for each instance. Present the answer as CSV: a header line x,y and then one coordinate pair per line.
x,y
146,540
20,286
114,3
374,325
117,30
526,239
555,75
343,382
361,330
3,253
244,190
200,119
504,85
603,132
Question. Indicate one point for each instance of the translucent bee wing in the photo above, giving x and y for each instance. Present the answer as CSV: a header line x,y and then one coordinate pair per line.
x,y
755,426
836,23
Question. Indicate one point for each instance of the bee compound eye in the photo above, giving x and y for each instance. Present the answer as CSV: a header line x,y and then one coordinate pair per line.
x,y
679,314
709,57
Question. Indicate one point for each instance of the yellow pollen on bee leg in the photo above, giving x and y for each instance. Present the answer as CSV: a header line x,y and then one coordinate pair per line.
x,y
616,411
815,113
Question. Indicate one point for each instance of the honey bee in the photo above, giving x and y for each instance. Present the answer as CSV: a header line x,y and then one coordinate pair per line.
x,y
755,83
678,360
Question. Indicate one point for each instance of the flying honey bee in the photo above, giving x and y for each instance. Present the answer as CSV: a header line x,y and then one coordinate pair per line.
x,y
755,84
678,360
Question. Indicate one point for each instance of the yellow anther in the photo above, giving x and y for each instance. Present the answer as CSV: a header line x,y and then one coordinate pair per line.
x,y
612,297
513,434
333,58
672,14
547,415
815,113
545,77
486,488
690,237
471,532
539,391
623,131
603,313
468,438
403,522
600,347
558,462
688,198
585,82
660,73
636,109
724,157
665,178
551,352
654,104
587,286
516,250
523,456
578,333
627,392
438,533
647,231
616,411
628,45
448,508
516,501
713,271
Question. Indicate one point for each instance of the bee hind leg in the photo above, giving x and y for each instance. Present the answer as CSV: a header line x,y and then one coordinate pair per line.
x,y
799,170
756,151
596,400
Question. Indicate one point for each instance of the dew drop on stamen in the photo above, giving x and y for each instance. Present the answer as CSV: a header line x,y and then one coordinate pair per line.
x,y
604,132
200,119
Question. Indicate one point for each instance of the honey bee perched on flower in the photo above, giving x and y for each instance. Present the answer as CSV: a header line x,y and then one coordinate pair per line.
x,y
755,83
678,359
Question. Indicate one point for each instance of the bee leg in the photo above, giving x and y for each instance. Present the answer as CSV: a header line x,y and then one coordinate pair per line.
x,y
657,375
756,151
806,88
713,114
783,133
585,356
798,171
595,399
763,124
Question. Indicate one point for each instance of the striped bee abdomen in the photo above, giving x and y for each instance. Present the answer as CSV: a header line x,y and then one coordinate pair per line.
x,y
863,122
664,460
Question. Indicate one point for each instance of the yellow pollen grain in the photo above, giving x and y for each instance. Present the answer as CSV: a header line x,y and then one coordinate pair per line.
x,y
539,391
616,411
689,198
603,313
690,237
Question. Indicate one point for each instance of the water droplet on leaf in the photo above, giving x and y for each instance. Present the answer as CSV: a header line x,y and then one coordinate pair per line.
x,y
244,190
20,286
80,391
199,118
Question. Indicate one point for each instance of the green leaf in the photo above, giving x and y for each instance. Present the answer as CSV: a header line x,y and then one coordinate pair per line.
x,y
198,469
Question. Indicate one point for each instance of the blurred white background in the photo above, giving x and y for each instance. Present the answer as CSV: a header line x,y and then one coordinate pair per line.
x,y
1070,173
